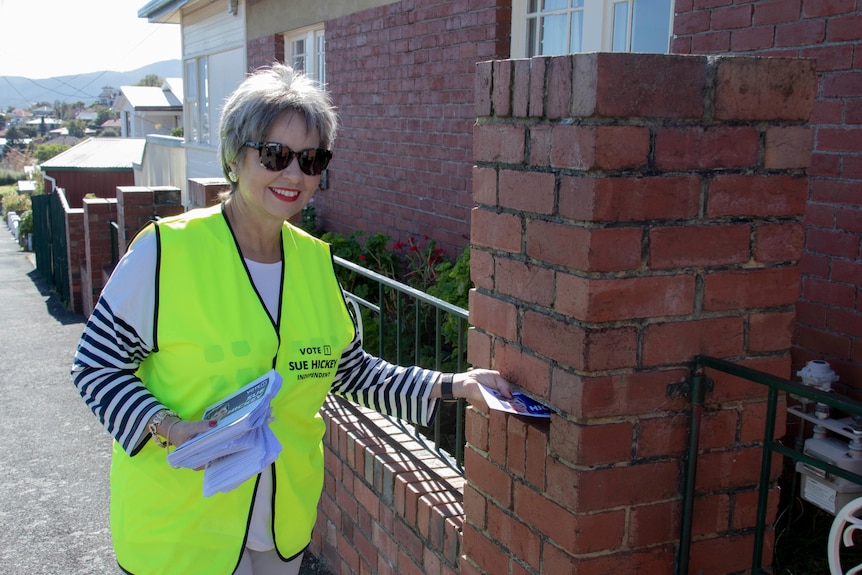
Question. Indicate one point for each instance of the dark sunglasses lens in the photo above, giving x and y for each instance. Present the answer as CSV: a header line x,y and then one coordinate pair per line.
x,y
274,158
313,162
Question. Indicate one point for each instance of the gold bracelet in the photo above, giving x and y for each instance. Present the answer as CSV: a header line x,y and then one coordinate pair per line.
x,y
157,419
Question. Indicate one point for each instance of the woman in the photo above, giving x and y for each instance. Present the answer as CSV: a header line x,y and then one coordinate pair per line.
x,y
205,302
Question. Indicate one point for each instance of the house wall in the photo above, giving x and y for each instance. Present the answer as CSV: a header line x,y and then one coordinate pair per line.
x,y
271,18
402,77
829,312
163,164
101,183
211,29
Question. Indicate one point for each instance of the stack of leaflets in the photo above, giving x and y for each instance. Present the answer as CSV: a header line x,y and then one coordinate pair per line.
x,y
241,445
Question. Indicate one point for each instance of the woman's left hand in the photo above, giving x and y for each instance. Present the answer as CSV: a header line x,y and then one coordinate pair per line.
x,y
466,385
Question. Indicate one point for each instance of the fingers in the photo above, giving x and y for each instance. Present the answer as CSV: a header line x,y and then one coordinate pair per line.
x,y
185,430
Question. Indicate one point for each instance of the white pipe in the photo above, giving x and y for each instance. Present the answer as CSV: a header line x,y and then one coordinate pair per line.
x,y
53,182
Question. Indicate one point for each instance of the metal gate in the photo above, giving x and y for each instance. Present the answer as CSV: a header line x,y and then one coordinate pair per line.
x,y
49,243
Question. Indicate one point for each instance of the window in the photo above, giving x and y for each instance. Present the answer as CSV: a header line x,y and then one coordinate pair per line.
x,y
196,104
555,27
209,80
306,51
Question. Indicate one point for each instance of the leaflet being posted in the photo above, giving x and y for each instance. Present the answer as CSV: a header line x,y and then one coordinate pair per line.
x,y
241,445
519,404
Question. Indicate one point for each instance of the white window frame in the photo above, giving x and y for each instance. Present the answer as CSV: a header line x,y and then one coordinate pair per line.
x,y
196,105
597,34
313,59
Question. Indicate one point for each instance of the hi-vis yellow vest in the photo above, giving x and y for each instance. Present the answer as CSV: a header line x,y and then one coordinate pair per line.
x,y
212,336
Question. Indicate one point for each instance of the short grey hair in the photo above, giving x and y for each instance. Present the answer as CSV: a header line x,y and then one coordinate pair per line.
x,y
260,99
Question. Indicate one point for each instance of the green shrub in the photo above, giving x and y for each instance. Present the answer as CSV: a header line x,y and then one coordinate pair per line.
x,y
8,177
25,224
15,202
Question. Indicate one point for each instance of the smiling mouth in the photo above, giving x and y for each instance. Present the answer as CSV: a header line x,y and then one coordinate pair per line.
x,y
287,195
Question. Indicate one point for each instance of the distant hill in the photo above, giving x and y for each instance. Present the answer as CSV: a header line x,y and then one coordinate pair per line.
x,y
21,92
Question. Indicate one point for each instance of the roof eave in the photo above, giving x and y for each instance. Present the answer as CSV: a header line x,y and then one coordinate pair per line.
x,y
162,11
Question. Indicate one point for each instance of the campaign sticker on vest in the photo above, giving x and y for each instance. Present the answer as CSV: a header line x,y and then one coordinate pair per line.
x,y
313,361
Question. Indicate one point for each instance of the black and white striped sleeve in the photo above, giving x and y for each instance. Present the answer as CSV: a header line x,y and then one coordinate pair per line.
x,y
401,392
116,339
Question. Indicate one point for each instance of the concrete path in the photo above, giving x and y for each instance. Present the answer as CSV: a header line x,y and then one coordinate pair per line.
x,y
54,455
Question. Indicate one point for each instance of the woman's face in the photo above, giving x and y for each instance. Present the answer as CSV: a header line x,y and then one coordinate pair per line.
x,y
278,195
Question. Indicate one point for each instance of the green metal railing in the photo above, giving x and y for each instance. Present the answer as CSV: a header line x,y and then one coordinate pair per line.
x,y
775,385
402,315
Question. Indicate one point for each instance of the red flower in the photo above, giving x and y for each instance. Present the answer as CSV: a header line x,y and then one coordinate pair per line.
x,y
361,257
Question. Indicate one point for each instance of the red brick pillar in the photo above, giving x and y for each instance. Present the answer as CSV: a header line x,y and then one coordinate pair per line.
x,y
205,191
137,205
98,215
632,211
75,254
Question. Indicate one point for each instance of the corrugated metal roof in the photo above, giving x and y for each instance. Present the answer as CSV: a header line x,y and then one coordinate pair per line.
x,y
99,154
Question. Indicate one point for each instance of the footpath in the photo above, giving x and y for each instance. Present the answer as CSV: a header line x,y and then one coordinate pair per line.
x,y
55,456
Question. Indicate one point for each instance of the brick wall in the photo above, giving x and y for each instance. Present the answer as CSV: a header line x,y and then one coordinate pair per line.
x,y
264,51
829,323
390,506
620,228
402,78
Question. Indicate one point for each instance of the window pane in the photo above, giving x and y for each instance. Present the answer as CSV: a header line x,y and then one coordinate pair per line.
x,y
548,5
192,130
532,48
577,40
297,54
204,101
651,26
554,35
321,57
620,42
533,6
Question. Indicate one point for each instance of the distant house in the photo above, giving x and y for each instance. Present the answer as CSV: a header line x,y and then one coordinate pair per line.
x,y
150,110
108,96
18,117
89,115
94,166
43,111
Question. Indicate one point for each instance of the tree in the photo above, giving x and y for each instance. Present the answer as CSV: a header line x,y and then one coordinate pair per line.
x,y
12,139
45,152
76,128
104,114
150,80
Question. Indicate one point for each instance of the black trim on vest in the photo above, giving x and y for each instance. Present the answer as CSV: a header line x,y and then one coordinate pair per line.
x,y
276,323
156,288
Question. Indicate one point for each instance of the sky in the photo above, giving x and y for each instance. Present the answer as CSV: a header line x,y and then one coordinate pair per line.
x,y
47,38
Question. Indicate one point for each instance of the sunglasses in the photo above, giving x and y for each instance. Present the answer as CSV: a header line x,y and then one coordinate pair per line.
x,y
276,157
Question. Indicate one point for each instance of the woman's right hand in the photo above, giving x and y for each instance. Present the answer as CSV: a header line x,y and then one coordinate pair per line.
x,y
178,432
